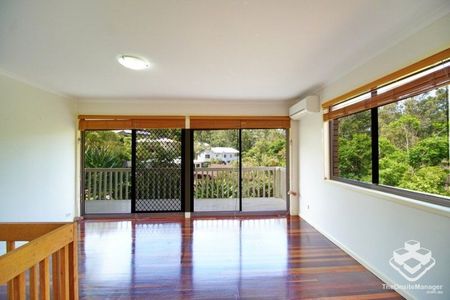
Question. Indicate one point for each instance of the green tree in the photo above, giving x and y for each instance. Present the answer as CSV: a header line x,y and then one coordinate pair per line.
x,y
427,179
385,147
266,153
432,151
355,157
106,149
354,124
354,146
403,133
393,168
431,109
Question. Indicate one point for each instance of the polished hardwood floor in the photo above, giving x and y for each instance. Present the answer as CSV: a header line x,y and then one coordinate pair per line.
x,y
224,258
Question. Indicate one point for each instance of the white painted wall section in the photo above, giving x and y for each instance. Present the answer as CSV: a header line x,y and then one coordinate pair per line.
x,y
182,107
37,154
367,224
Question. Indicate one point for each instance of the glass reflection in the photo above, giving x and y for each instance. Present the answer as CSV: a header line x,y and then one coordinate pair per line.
x,y
108,250
235,253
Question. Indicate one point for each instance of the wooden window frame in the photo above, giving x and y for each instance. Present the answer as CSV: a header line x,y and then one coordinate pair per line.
x,y
415,87
121,122
394,76
240,122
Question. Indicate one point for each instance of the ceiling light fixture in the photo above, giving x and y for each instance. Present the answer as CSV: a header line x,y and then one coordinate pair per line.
x,y
133,62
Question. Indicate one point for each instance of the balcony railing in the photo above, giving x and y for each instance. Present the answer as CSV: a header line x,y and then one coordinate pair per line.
x,y
107,183
258,182
209,183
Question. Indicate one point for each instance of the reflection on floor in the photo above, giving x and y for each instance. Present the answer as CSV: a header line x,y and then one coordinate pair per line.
x,y
257,258
248,204
224,204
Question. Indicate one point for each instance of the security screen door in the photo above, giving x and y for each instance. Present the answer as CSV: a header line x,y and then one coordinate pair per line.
x,y
157,167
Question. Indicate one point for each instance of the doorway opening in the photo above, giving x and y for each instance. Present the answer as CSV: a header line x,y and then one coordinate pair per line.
x,y
128,171
240,170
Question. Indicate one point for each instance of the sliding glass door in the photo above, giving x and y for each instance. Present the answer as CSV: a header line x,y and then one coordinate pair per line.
x,y
107,171
127,171
143,170
216,170
240,170
264,157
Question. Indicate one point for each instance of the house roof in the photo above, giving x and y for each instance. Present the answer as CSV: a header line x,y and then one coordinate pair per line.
x,y
224,150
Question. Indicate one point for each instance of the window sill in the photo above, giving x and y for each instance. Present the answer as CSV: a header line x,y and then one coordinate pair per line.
x,y
425,206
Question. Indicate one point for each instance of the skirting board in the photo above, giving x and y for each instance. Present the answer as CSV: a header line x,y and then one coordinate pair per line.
x,y
359,259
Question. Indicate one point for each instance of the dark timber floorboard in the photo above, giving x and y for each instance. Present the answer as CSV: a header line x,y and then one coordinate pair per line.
x,y
224,258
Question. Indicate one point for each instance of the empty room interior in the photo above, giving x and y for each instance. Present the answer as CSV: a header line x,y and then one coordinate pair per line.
x,y
256,149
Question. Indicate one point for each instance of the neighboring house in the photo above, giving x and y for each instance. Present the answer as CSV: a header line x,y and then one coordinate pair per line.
x,y
222,154
200,164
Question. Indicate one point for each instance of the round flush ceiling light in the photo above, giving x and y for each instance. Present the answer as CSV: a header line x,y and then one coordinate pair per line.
x,y
133,62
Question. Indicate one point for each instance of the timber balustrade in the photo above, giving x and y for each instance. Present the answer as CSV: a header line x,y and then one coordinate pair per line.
x,y
107,183
258,182
50,258
210,183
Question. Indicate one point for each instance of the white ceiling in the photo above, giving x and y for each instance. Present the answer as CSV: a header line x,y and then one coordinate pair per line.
x,y
201,49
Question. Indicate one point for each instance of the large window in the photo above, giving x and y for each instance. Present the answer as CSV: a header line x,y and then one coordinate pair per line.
x,y
413,143
396,139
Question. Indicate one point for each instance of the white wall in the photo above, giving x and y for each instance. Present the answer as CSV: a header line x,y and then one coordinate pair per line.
x,y
181,107
37,154
368,224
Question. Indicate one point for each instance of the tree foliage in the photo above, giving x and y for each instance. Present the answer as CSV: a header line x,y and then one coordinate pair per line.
x,y
355,157
106,149
260,147
268,151
432,151
413,144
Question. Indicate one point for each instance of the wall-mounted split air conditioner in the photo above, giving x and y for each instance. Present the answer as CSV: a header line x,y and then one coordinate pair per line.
x,y
308,104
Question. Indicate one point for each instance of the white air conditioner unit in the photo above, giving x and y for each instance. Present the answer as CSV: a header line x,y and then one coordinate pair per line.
x,y
308,104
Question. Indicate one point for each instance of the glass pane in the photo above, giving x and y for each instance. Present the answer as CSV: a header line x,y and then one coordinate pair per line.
x,y
352,147
216,170
264,169
413,143
107,171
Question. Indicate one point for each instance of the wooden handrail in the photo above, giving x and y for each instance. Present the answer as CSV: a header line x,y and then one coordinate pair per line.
x,y
55,240
25,232
21,259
